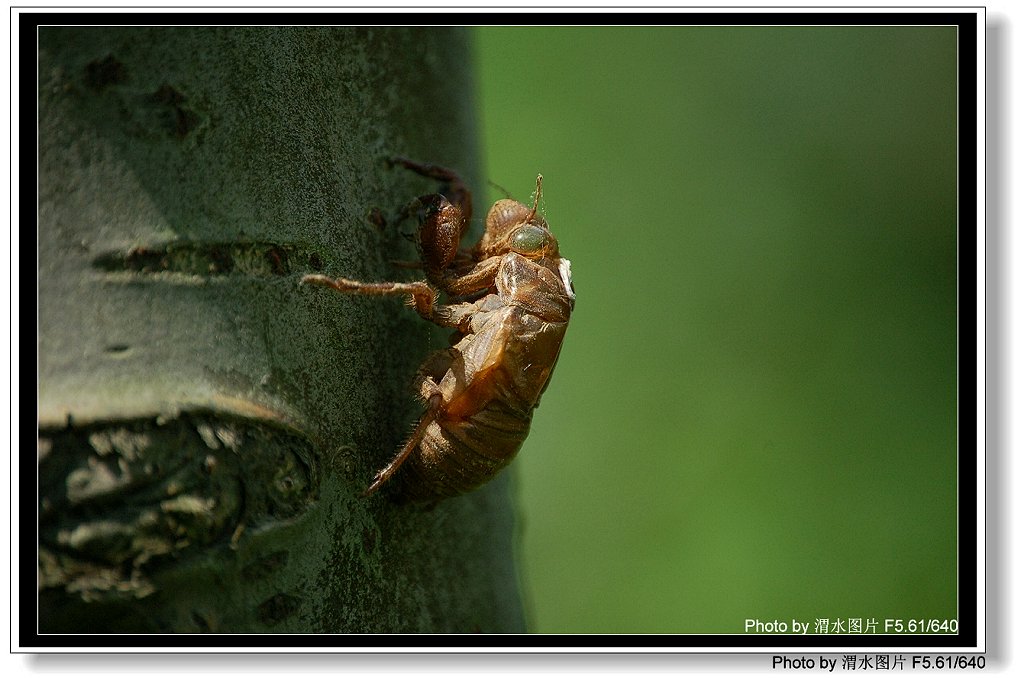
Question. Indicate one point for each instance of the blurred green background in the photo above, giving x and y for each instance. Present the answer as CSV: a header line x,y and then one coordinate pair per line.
x,y
754,412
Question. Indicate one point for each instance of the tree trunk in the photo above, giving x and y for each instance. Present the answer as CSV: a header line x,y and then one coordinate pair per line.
x,y
206,423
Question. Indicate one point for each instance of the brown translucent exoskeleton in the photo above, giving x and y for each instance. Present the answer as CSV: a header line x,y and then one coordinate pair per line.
x,y
509,299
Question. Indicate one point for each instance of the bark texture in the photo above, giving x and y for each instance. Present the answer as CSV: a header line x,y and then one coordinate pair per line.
x,y
206,424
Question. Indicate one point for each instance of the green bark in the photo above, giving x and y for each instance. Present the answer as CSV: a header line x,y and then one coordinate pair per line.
x,y
206,423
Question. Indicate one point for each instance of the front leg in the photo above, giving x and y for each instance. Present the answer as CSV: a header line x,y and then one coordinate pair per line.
x,y
440,233
422,296
479,278
444,222
457,192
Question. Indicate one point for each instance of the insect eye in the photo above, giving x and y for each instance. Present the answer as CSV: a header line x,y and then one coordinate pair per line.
x,y
529,238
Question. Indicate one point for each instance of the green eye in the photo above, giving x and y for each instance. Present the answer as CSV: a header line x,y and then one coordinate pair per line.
x,y
529,238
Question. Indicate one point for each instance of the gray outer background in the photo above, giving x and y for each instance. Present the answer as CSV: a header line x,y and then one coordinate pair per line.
x,y
188,179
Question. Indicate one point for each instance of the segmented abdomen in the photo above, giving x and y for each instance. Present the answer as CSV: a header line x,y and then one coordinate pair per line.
x,y
456,457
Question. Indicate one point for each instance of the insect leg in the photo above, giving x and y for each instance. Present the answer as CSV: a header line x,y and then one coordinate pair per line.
x,y
423,295
431,371
477,279
426,383
440,232
458,193
383,475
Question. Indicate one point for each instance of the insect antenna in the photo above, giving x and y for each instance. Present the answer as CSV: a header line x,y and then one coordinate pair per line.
x,y
501,188
536,199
